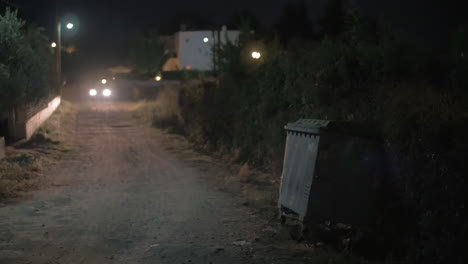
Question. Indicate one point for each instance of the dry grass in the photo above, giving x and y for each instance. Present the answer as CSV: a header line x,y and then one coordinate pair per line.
x,y
19,173
59,127
245,173
163,112
22,169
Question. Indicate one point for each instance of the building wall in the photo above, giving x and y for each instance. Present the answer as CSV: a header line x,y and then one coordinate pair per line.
x,y
172,64
24,129
195,54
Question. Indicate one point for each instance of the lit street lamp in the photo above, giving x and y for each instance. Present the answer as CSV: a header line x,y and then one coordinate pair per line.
x,y
58,53
103,81
256,55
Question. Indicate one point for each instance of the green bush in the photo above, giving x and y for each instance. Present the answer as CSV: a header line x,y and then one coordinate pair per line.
x,y
25,62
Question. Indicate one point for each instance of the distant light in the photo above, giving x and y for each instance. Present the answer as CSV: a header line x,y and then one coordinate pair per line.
x,y
113,78
70,25
70,49
157,78
205,39
106,92
103,81
53,44
256,55
188,67
93,92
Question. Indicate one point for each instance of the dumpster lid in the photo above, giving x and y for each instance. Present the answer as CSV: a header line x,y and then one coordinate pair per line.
x,y
312,126
315,126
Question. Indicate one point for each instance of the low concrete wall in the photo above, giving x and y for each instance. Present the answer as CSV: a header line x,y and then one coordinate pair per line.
x,y
2,148
25,129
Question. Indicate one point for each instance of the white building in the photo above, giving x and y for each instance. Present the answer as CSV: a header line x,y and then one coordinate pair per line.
x,y
194,49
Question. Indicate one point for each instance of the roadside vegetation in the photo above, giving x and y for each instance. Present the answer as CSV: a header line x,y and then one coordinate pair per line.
x,y
26,71
21,170
148,55
26,77
358,70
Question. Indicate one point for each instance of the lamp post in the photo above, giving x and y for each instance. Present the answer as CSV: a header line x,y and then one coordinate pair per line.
x,y
256,55
58,54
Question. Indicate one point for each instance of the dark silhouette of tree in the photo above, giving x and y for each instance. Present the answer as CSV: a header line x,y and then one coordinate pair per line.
x,y
25,61
333,22
294,23
243,19
149,53
186,21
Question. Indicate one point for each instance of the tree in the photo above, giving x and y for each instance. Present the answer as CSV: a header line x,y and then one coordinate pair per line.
x,y
149,53
10,38
294,23
24,62
41,72
244,19
333,22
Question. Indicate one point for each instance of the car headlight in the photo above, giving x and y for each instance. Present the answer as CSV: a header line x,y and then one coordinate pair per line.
x,y
93,92
106,92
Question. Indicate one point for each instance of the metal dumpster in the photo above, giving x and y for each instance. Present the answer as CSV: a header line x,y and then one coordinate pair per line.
x,y
332,171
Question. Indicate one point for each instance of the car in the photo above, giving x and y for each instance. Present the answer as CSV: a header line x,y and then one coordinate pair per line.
x,y
100,92
103,90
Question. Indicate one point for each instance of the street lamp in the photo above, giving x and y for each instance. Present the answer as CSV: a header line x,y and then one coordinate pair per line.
x,y
256,55
58,54
103,81
53,44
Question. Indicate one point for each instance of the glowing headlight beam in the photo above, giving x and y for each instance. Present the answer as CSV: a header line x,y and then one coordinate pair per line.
x,y
93,92
106,92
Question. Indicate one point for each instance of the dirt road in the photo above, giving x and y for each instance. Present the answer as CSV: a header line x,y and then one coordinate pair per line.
x,y
119,197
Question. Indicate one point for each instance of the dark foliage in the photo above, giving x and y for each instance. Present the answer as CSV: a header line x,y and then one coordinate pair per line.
x,y
25,62
415,97
333,22
149,53
295,23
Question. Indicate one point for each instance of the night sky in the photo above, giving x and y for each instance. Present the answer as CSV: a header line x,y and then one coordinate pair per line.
x,y
106,26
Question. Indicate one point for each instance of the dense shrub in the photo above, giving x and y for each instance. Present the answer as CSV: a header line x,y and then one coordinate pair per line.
x,y
25,62
414,96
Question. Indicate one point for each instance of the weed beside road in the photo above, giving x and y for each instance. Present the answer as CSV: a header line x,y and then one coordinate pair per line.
x,y
22,169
